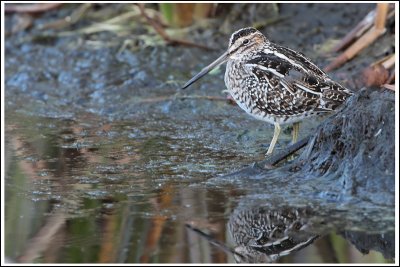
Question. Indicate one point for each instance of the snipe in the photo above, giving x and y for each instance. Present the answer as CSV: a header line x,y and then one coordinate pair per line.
x,y
274,83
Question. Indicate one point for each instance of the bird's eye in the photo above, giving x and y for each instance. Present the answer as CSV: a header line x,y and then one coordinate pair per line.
x,y
246,41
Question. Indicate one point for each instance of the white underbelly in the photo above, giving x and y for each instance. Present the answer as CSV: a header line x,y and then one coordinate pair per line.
x,y
255,113
260,115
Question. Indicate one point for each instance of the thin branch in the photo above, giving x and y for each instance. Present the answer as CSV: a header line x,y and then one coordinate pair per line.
x,y
389,86
354,49
159,29
42,239
69,20
381,15
361,27
31,8
269,163
275,159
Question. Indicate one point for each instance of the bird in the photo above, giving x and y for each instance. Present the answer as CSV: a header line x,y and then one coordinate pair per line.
x,y
263,234
274,83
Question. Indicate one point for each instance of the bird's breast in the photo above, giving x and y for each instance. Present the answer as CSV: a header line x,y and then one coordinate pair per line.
x,y
246,90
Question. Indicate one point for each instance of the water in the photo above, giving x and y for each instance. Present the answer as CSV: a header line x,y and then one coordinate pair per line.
x,y
91,191
104,163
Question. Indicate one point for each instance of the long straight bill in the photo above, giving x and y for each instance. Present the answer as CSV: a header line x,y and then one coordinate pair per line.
x,y
222,59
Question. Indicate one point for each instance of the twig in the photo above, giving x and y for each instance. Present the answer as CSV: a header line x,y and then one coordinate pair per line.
x,y
353,50
267,164
390,87
381,14
31,8
113,24
275,159
374,32
69,20
23,21
361,27
158,28
387,62
42,239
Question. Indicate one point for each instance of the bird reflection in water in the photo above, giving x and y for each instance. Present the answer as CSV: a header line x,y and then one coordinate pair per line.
x,y
264,235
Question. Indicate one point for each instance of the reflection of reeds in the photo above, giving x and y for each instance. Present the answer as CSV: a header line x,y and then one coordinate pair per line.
x,y
44,238
147,226
182,15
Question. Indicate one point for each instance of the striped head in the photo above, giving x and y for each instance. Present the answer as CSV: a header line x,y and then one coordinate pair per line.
x,y
245,41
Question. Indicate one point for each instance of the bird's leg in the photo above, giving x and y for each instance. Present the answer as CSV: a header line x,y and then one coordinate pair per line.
x,y
277,130
295,132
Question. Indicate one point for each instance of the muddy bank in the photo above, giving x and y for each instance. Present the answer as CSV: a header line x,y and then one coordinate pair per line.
x,y
350,156
356,148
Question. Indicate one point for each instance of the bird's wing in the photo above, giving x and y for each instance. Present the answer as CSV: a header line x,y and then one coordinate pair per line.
x,y
295,58
278,71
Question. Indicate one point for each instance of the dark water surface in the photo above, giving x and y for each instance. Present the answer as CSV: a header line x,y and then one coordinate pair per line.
x,y
90,191
105,164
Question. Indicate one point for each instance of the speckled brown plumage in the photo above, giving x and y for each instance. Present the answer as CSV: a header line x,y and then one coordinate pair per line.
x,y
274,83
264,235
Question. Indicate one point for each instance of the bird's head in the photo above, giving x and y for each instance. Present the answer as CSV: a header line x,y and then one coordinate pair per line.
x,y
241,43
245,41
